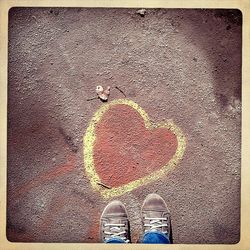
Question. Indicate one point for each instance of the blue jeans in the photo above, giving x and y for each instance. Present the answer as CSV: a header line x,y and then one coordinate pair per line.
x,y
148,238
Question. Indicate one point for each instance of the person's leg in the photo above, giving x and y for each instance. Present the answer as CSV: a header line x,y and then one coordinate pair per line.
x,y
156,238
114,224
115,240
156,220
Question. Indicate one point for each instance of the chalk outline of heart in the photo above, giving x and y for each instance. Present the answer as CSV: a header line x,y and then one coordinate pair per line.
x,y
90,136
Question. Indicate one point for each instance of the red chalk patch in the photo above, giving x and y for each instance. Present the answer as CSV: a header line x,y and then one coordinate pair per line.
x,y
125,150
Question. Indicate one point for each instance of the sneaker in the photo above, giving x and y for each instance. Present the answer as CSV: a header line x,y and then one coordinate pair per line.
x,y
155,215
114,223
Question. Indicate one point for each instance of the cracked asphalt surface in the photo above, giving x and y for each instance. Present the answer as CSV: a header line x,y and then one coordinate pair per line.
x,y
176,64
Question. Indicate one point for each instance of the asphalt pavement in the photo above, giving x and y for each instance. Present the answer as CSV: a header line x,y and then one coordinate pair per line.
x,y
171,125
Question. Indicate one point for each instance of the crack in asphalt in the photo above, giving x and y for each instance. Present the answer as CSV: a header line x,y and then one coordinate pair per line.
x,y
69,140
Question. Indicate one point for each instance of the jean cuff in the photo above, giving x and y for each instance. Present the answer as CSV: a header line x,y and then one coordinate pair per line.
x,y
115,240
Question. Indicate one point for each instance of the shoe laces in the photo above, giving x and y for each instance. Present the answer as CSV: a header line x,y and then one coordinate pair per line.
x,y
115,231
156,223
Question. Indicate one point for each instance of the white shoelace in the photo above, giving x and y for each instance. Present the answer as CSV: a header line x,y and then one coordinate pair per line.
x,y
115,231
155,223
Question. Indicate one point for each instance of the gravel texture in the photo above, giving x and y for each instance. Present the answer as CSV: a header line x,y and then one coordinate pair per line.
x,y
176,64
